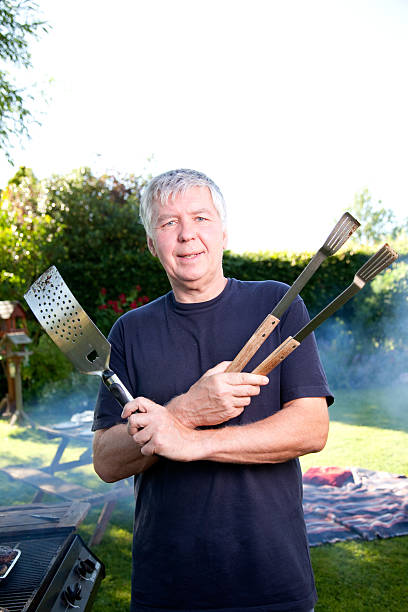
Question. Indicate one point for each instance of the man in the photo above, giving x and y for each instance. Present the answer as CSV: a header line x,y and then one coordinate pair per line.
x,y
218,519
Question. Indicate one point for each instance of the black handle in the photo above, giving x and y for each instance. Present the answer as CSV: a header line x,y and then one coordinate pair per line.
x,y
118,393
116,387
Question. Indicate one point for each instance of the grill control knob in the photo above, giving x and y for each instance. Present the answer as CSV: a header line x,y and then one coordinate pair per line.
x,y
85,567
71,594
90,565
82,569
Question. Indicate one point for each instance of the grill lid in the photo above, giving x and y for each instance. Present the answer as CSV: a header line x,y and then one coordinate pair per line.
x,y
39,553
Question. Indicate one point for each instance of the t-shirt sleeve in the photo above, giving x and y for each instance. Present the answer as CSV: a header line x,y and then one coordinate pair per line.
x,y
302,373
107,409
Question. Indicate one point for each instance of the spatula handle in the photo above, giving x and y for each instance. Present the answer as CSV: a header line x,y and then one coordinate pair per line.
x,y
256,340
278,355
116,387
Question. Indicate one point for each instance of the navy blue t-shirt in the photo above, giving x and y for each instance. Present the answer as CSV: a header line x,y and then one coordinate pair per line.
x,y
207,535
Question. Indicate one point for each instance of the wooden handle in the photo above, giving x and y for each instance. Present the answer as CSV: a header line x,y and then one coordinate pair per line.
x,y
256,340
278,355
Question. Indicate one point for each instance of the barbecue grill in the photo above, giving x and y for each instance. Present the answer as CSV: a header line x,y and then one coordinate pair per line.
x,y
56,571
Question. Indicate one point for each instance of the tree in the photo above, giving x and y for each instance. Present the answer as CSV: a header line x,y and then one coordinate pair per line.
x,y
377,223
18,25
87,226
95,238
24,227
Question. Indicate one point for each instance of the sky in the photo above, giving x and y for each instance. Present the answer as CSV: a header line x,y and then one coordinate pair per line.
x,y
291,107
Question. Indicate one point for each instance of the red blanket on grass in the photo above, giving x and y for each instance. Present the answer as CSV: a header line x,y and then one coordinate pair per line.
x,y
354,503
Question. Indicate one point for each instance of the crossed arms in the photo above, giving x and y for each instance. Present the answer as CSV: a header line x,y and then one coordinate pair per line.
x,y
153,430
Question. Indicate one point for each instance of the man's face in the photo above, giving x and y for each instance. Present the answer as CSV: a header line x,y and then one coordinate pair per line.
x,y
189,240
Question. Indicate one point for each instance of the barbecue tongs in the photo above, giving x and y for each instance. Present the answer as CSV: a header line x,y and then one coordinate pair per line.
x,y
341,232
376,264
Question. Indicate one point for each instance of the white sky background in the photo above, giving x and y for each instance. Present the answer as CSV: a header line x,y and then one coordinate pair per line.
x,y
291,107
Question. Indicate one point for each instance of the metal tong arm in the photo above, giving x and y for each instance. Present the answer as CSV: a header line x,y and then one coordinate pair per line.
x,y
291,343
116,387
376,264
271,320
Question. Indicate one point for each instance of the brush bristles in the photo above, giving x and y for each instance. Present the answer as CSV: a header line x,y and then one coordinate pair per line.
x,y
342,232
377,263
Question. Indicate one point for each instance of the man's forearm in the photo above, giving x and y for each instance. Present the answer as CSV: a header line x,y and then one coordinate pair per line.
x,y
117,456
301,427
215,398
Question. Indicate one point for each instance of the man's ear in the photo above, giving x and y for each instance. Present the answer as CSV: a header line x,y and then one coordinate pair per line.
x,y
150,245
224,239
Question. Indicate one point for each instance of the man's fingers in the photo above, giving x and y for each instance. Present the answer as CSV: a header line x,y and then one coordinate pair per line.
x,y
140,404
148,449
246,378
239,404
138,420
246,390
128,409
142,436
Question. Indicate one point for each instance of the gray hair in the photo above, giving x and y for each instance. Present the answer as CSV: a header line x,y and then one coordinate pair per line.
x,y
171,183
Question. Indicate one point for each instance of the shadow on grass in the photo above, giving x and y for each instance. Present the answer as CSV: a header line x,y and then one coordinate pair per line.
x,y
31,434
382,407
32,448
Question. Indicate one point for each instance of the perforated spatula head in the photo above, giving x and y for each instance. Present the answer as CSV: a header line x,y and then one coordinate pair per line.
x,y
342,231
67,324
376,264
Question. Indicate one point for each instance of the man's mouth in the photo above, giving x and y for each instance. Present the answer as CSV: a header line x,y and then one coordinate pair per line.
x,y
191,255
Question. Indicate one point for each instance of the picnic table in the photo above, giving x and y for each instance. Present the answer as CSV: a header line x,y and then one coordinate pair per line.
x,y
45,481
41,517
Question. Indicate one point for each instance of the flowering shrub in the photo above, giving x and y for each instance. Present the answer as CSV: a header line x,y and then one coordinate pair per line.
x,y
109,310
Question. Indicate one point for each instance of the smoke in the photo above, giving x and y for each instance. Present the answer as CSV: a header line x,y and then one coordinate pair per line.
x,y
59,401
371,347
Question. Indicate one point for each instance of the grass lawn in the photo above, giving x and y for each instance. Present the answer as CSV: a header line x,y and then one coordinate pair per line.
x,y
369,428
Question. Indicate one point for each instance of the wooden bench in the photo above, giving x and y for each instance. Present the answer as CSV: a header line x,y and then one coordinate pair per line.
x,y
45,481
50,484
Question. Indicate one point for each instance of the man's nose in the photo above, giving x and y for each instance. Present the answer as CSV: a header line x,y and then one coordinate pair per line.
x,y
186,231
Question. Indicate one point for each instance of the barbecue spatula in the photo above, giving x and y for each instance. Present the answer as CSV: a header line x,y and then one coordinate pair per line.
x,y
341,232
68,325
376,264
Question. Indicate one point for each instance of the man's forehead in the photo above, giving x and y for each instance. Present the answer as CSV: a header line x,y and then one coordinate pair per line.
x,y
199,198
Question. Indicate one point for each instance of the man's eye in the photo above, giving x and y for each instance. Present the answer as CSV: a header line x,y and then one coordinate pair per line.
x,y
169,223
200,218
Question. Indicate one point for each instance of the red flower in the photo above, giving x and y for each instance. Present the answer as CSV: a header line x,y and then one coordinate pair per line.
x,y
102,307
116,307
103,291
138,288
133,304
122,298
145,299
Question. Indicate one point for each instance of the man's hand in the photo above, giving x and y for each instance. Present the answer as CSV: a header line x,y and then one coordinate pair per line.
x,y
157,432
216,397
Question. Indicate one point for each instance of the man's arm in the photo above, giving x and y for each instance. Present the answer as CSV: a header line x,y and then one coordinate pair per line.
x,y
301,427
117,456
216,397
